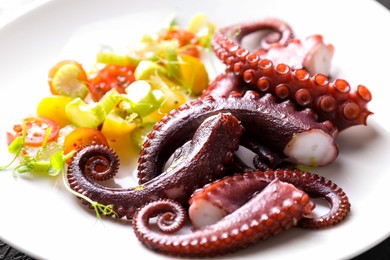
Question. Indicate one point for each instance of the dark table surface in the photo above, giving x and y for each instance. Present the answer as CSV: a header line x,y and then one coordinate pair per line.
x,y
379,252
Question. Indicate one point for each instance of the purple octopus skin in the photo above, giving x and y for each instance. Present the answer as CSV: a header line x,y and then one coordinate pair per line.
x,y
224,84
277,43
311,54
222,197
278,207
264,158
295,135
204,160
276,32
335,101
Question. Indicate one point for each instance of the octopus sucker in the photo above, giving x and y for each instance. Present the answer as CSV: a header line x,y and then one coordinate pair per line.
x,y
277,126
224,196
202,162
280,202
278,70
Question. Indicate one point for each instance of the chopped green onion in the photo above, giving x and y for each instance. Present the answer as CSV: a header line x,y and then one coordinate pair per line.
x,y
203,29
85,115
147,68
141,98
110,100
172,62
115,58
66,82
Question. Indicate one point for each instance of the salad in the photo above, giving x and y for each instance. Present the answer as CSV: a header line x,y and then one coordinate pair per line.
x,y
115,102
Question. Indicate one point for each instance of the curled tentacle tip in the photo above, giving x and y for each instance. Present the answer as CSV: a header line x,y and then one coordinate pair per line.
x,y
98,162
171,215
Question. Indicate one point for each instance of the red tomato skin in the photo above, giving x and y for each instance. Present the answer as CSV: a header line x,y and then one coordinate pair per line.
x,y
109,77
187,40
35,132
10,138
82,137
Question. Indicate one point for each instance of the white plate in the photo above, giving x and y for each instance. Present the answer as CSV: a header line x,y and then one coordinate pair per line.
x,y
40,217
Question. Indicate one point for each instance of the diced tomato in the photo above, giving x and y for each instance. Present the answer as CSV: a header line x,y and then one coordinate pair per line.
x,y
111,76
81,137
188,41
36,128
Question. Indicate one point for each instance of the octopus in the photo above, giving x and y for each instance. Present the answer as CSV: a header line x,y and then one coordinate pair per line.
x,y
275,209
268,72
216,200
207,148
281,106
238,211
294,135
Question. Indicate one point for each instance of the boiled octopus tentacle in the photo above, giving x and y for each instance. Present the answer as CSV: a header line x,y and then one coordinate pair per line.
x,y
224,84
204,160
296,135
100,164
277,32
238,165
171,215
277,208
310,53
334,101
220,198
265,157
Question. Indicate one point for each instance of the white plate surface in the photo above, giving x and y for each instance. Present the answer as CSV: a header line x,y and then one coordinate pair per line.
x,y
40,217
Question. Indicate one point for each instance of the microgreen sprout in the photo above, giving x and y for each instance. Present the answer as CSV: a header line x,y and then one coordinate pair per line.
x,y
16,146
172,21
36,164
53,166
98,207
162,61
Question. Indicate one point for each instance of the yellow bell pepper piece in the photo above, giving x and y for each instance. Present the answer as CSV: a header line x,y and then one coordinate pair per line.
x,y
115,128
193,74
53,107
